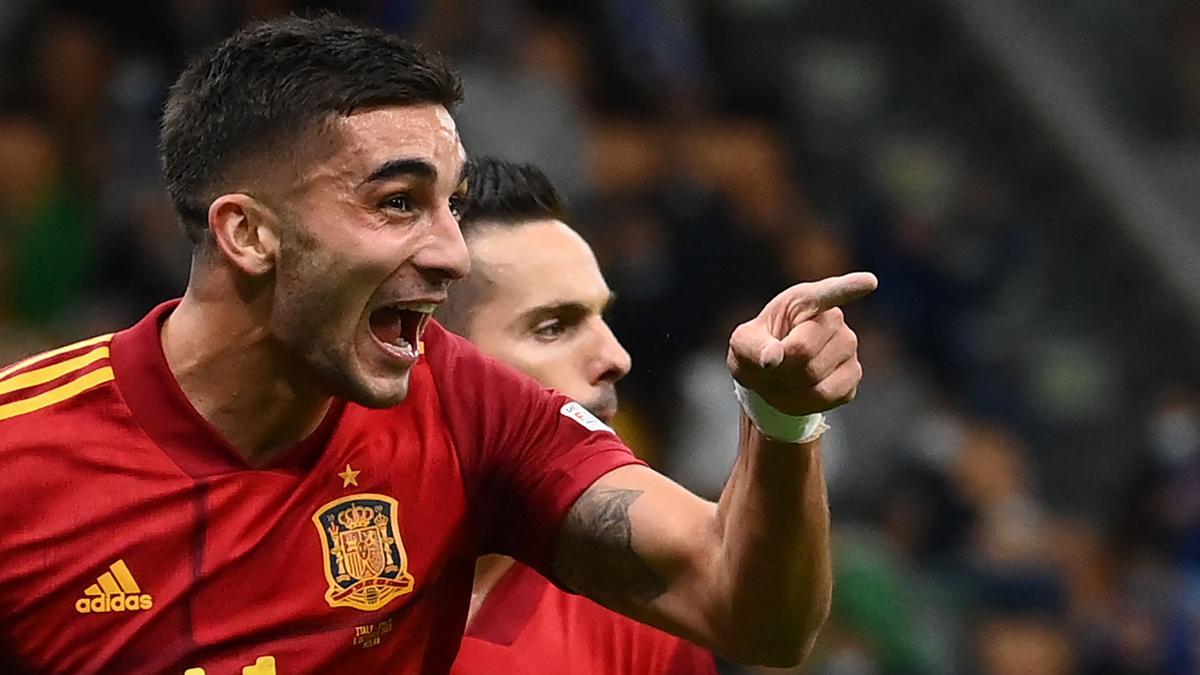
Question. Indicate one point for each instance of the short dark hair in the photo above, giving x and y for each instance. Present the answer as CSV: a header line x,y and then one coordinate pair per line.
x,y
500,194
508,193
265,86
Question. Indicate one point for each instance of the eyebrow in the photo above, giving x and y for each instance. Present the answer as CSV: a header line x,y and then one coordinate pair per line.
x,y
411,167
403,167
569,307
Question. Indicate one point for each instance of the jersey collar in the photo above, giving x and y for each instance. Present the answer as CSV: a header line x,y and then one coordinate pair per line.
x,y
166,415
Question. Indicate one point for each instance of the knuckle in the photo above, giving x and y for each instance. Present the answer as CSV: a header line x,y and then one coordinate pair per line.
x,y
842,386
807,348
826,389
811,373
845,344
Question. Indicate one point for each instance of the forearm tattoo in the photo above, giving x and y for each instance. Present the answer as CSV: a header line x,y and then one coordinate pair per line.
x,y
596,556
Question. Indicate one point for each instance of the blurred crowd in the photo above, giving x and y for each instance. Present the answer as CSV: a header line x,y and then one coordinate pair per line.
x,y
1143,57
1016,490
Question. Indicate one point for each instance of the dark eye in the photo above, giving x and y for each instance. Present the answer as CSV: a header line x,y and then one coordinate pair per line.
x,y
550,330
397,203
458,205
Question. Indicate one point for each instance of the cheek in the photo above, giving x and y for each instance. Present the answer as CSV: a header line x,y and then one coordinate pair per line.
x,y
342,246
312,294
303,275
305,316
521,352
341,267
557,365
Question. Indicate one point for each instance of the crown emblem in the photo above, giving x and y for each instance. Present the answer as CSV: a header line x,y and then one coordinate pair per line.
x,y
357,517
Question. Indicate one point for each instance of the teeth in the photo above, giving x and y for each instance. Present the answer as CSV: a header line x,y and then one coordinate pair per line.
x,y
418,307
404,345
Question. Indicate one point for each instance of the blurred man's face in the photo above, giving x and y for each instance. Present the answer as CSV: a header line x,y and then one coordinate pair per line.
x,y
542,311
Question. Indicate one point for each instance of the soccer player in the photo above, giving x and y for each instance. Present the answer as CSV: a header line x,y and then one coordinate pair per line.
x,y
293,470
535,299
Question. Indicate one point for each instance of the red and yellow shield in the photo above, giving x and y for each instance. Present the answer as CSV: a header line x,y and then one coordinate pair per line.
x,y
365,562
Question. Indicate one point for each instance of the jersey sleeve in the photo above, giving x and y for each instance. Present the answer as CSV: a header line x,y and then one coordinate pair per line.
x,y
527,453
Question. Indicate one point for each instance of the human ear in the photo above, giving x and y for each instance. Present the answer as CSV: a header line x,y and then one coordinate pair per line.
x,y
246,231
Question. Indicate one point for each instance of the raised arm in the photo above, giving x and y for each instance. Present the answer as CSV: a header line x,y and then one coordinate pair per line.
x,y
749,577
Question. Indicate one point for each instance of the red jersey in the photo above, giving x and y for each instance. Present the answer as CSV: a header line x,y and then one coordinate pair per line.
x,y
137,540
527,626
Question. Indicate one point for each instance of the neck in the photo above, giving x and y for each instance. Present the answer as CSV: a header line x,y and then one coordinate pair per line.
x,y
488,571
239,378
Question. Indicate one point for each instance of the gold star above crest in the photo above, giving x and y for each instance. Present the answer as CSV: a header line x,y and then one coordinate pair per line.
x,y
349,477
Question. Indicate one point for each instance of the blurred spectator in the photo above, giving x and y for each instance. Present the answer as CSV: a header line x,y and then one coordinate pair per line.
x,y
1148,631
870,438
75,64
525,94
47,237
700,451
1163,516
1023,646
900,614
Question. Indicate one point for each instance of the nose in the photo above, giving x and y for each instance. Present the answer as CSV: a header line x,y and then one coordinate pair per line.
x,y
444,252
612,362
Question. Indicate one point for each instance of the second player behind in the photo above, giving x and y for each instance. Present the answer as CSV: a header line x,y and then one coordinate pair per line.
x,y
535,299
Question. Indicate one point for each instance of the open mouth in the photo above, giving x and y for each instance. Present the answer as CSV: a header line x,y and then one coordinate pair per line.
x,y
399,328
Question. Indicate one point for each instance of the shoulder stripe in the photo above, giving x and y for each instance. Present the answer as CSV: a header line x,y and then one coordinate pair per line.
x,y
58,394
32,378
38,358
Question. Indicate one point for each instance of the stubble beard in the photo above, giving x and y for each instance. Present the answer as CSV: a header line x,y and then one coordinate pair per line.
x,y
604,406
308,311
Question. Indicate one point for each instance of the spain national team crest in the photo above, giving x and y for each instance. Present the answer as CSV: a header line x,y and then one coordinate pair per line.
x,y
365,561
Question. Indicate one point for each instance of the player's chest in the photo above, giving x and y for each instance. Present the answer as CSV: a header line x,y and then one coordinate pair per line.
x,y
364,532
336,569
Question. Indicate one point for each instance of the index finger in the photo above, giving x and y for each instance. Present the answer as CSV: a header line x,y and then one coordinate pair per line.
x,y
837,291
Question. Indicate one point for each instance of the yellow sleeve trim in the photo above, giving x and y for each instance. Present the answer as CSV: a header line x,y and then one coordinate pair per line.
x,y
57,395
61,350
33,378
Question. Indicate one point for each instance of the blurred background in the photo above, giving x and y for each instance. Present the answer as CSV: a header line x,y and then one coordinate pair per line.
x,y
1016,489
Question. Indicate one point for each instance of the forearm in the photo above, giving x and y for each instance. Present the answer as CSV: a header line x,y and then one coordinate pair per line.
x,y
748,578
772,570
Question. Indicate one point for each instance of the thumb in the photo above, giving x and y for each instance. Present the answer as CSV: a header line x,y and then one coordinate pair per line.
x,y
752,344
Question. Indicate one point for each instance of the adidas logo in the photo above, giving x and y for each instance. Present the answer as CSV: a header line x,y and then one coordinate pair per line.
x,y
114,591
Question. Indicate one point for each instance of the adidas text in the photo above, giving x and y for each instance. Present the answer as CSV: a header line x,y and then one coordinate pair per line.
x,y
114,603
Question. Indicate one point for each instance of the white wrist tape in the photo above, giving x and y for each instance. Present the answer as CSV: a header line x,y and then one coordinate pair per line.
x,y
777,425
